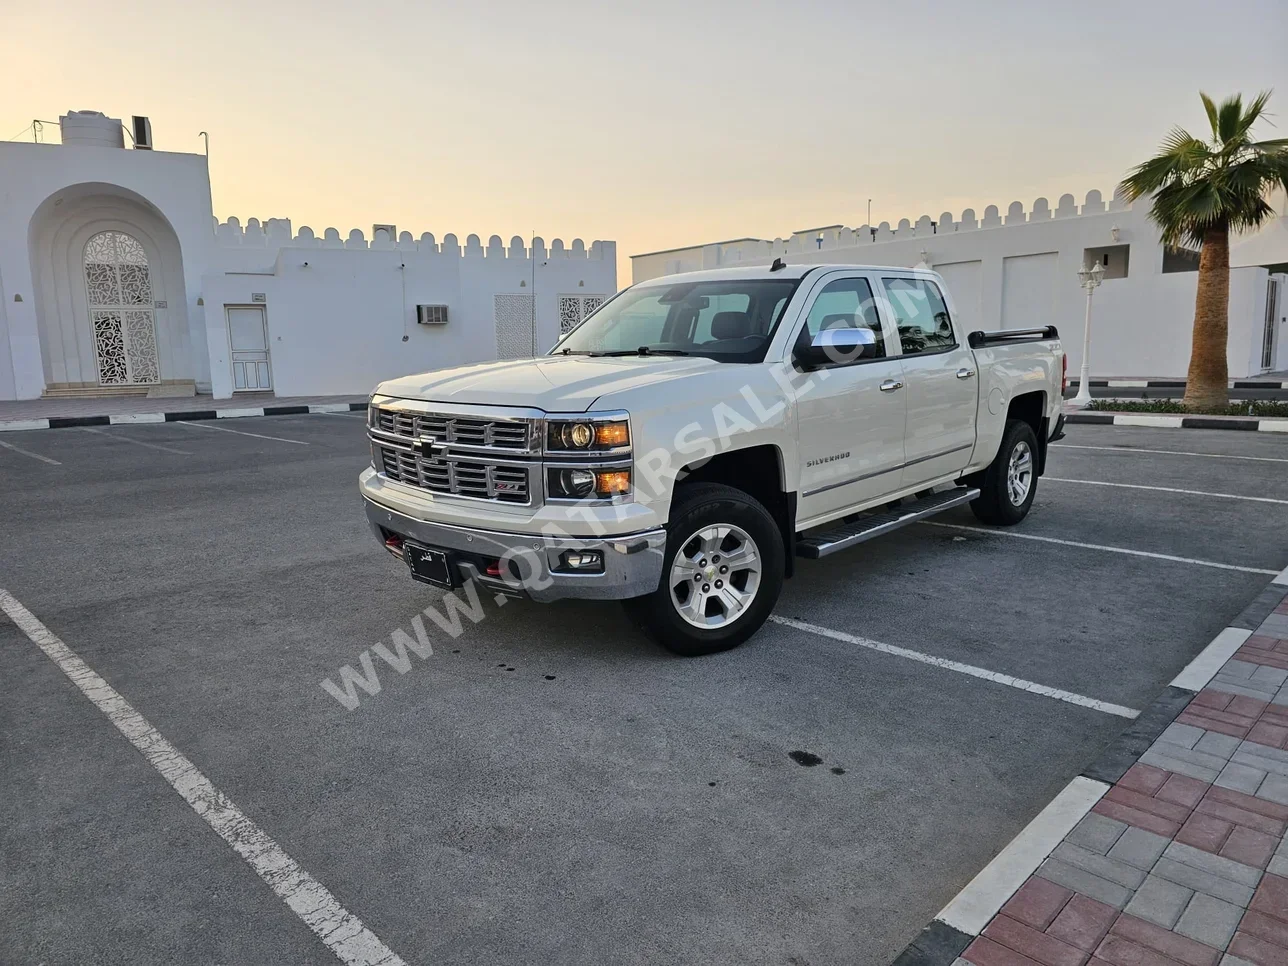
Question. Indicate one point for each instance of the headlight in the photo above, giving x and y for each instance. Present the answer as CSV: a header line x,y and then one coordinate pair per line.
x,y
587,483
587,435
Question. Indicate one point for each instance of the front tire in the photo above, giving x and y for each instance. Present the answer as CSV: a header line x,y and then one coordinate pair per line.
x,y
1008,485
721,574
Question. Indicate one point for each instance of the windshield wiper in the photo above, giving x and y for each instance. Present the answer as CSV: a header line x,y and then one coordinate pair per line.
x,y
641,351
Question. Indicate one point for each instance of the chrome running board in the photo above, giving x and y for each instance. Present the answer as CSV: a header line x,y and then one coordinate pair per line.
x,y
821,543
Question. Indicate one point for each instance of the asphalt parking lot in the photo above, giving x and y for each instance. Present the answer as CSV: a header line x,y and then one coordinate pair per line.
x,y
549,786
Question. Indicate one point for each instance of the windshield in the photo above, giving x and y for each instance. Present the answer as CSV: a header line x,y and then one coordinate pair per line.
x,y
729,321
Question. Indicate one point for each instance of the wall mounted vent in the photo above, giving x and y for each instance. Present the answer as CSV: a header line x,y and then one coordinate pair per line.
x,y
142,133
431,314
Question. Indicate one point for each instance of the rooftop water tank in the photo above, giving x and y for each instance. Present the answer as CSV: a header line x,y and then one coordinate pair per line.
x,y
93,128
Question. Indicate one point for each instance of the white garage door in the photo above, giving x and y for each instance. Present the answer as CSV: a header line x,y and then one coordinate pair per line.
x,y
1028,290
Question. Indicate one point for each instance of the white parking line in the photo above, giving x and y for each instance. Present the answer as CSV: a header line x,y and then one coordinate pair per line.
x,y
973,907
1171,452
224,429
1098,546
34,456
1203,668
136,442
977,672
1166,489
342,931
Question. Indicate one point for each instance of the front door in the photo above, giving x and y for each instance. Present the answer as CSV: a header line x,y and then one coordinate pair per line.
x,y
940,380
122,315
851,414
248,345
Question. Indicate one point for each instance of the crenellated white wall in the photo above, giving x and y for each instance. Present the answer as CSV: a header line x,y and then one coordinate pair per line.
x,y
1018,268
338,307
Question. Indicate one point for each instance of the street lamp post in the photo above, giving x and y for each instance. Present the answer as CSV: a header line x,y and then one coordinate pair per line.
x,y
1090,278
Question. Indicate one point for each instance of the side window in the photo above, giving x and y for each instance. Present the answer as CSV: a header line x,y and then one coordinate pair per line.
x,y
920,315
847,303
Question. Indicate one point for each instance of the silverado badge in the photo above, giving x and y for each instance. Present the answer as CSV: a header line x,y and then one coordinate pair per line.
x,y
828,459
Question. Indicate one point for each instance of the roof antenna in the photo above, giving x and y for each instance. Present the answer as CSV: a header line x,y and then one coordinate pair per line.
x,y
778,265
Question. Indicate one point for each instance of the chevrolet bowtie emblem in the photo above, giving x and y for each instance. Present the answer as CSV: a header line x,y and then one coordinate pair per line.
x,y
429,447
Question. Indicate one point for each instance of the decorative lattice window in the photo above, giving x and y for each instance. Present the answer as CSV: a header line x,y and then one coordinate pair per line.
x,y
574,308
512,316
118,286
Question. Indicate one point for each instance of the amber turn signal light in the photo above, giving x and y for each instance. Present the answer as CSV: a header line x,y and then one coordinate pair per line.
x,y
612,482
612,434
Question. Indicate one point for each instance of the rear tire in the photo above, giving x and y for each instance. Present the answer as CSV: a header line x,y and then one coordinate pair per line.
x,y
1007,487
700,608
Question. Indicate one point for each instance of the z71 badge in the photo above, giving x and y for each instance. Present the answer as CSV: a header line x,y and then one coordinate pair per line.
x,y
828,459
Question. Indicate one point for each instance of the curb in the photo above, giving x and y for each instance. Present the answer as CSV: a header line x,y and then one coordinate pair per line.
x,y
947,935
1178,384
66,422
1247,423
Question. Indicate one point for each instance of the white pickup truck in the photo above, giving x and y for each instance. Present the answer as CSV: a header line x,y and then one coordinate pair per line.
x,y
681,446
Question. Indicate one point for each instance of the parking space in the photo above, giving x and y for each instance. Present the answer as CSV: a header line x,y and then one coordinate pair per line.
x,y
549,786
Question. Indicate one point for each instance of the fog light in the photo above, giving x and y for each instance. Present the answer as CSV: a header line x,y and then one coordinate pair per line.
x,y
582,560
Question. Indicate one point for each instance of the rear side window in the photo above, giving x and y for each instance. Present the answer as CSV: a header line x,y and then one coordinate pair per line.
x,y
847,303
920,314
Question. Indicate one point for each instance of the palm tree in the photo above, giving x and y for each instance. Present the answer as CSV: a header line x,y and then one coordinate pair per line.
x,y
1202,191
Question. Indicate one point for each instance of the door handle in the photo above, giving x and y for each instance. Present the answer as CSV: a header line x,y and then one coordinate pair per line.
x,y
890,385
965,373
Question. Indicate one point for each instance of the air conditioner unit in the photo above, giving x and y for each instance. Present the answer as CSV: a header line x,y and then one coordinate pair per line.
x,y
431,314
142,133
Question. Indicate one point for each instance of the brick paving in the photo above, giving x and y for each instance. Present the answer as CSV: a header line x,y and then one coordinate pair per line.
x,y
1184,860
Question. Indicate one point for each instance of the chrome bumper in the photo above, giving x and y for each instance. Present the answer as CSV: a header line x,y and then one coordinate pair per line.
x,y
632,562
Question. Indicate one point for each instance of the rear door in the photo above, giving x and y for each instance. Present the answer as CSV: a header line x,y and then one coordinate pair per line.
x,y
851,413
941,384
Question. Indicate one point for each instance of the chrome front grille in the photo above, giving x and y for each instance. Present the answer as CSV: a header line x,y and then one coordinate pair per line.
x,y
468,456
459,476
515,435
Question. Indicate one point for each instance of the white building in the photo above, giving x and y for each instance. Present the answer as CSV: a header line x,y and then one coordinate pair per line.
x,y
1019,269
115,277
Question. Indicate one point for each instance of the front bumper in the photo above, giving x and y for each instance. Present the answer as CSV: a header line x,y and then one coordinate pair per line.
x,y
632,562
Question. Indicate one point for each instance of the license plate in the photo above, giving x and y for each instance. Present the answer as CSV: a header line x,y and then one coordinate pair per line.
x,y
428,564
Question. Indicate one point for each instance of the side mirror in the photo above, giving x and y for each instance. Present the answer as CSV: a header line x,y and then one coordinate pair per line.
x,y
836,347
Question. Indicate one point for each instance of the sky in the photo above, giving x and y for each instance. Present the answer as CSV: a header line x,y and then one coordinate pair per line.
x,y
657,125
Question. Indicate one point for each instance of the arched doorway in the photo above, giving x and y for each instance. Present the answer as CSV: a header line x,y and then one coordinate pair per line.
x,y
118,289
111,307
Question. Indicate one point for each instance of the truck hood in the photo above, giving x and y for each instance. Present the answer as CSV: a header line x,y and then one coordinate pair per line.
x,y
556,384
